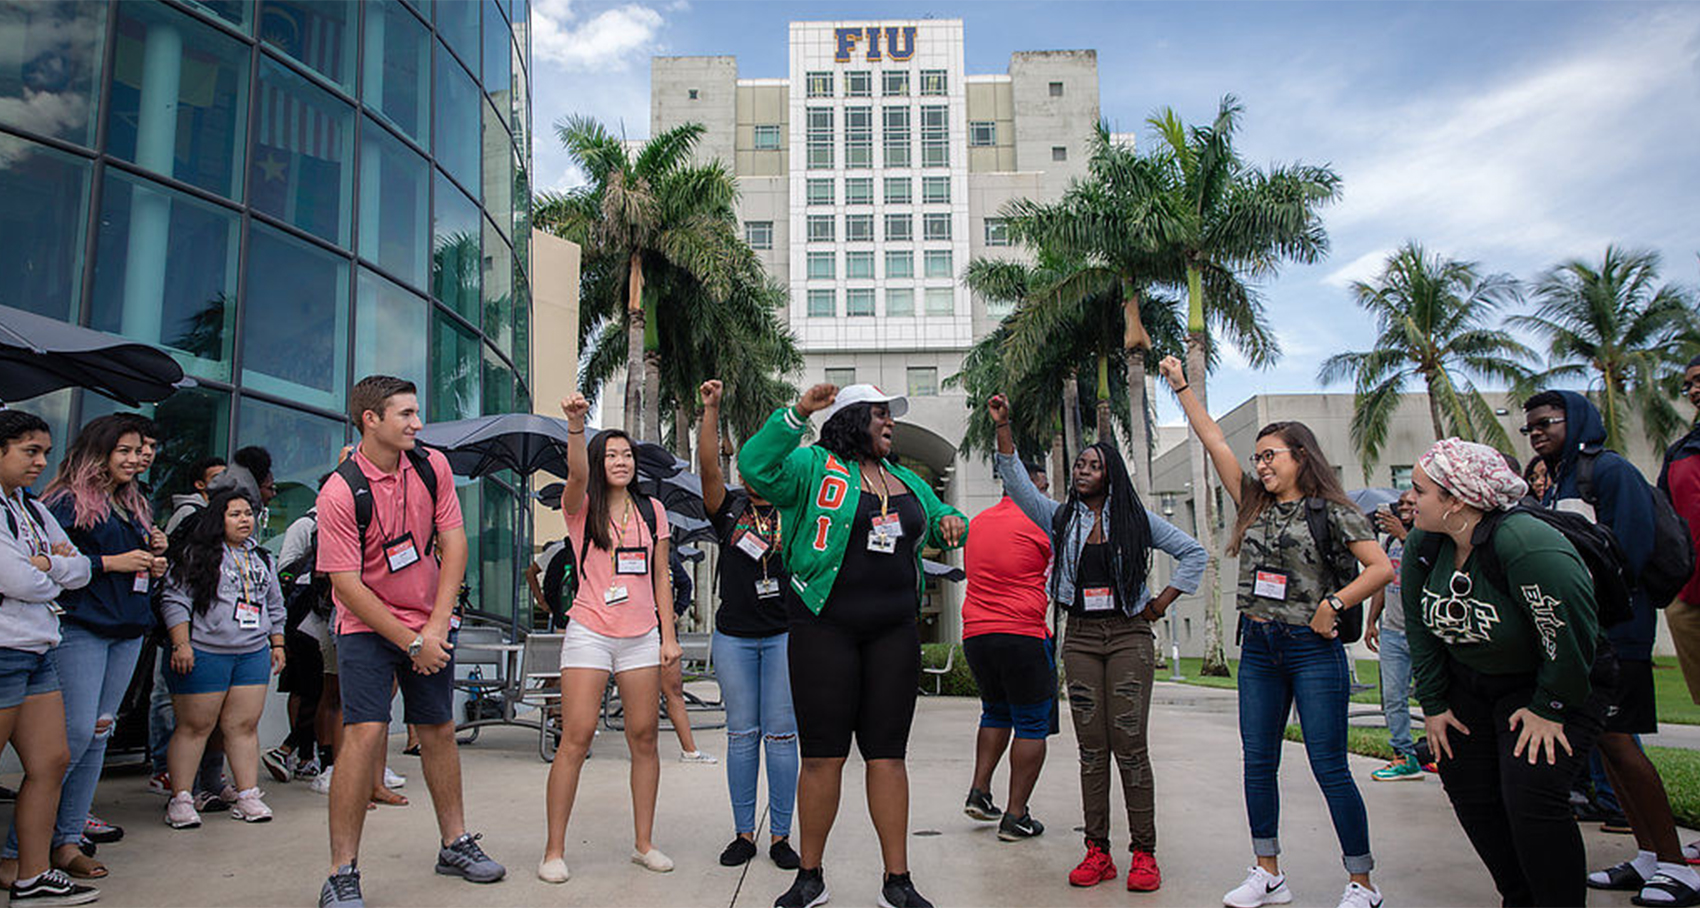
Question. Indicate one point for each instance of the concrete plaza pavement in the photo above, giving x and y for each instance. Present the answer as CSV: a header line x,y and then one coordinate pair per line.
x,y
1424,858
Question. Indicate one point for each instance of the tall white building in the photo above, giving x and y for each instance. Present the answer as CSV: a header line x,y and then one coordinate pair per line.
x,y
869,175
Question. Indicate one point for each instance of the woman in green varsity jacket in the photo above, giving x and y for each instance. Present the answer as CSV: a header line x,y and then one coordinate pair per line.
x,y
855,524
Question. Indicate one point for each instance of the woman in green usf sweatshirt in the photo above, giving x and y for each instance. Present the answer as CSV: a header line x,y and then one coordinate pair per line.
x,y
855,524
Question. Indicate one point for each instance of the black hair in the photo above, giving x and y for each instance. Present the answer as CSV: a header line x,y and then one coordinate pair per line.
x,y
197,554
1033,466
141,425
256,460
597,514
1692,363
1128,531
1529,469
199,468
15,424
1545,399
1512,462
846,433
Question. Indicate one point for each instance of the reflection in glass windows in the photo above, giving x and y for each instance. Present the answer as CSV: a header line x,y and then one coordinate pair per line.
x,y
859,265
859,191
458,147
195,423
938,263
818,192
935,132
822,265
899,263
819,137
900,301
455,362
896,136
395,187
498,283
457,22
455,238
43,212
319,34
303,446
397,78
303,152
498,384
858,137
294,319
859,301
498,59
390,331
498,173
940,301
823,303
899,190
50,68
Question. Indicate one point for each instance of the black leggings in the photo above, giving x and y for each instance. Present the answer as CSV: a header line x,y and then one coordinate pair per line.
x,y
846,681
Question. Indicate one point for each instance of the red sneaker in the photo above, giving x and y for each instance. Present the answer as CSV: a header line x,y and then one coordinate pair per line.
x,y
1142,873
1095,869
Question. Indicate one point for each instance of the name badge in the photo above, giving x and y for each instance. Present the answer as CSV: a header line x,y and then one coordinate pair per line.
x,y
1270,584
615,595
401,552
767,588
881,543
1098,598
750,544
454,621
889,525
141,583
247,615
631,561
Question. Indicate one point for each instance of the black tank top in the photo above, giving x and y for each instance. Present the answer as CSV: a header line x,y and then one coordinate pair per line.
x,y
1094,572
874,590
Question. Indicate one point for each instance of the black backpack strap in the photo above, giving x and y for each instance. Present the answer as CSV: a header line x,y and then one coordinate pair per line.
x,y
428,476
1481,540
361,491
1316,520
1585,475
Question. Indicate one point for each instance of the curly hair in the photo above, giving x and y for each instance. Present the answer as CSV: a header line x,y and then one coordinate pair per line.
x,y
197,555
846,433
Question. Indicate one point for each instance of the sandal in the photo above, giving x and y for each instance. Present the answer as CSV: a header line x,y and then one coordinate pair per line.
x,y
1681,895
1619,877
81,866
389,798
412,751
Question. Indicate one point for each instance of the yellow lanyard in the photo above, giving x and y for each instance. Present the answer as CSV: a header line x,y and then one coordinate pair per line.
x,y
884,491
242,568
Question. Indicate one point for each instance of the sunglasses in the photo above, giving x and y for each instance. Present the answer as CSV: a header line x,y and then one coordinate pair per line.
x,y
1457,607
1266,456
1542,424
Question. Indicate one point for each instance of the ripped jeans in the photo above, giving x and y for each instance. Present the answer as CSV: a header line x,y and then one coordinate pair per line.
x,y
94,672
755,682
1109,662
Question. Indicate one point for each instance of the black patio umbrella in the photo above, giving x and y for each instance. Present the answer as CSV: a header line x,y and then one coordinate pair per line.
x,y
680,494
522,442
39,355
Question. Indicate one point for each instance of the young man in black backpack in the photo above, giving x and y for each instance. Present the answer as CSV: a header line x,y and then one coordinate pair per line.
x,y
1567,431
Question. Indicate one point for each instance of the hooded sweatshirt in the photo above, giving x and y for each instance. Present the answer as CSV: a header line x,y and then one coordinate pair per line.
x,y
1680,479
243,575
1623,502
111,604
182,506
29,619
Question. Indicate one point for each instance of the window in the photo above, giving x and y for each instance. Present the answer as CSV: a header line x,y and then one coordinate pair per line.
x,y
820,84
692,94
1059,153
57,50
932,82
935,137
859,84
456,272
394,209
899,263
302,169
820,228
398,71
999,308
859,301
899,191
897,137
455,372
759,234
859,228
941,301
819,192
923,381
303,446
767,137
997,232
899,302
841,375
1056,90
859,191
1401,476
498,74
44,204
321,36
899,228
819,137
938,263
458,147
457,23
859,265
894,83
822,266
858,137
295,314
935,226
384,314
935,190
982,133
823,304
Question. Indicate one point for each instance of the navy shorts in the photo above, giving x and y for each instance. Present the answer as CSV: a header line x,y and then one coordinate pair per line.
x,y
371,668
25,674
215,673
1017,677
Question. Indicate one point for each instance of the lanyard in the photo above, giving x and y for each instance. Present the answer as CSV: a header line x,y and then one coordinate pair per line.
x,y
242,568
769,534
401,514
619,527
884,491
26,524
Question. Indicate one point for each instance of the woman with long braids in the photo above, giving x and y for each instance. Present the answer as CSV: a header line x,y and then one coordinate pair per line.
x,y
1296,536
855,524
1101,539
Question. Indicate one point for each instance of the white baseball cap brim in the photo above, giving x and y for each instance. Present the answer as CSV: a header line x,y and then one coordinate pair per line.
x,y
866,394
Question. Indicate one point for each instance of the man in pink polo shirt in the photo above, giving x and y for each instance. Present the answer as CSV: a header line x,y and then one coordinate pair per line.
x,y
395,583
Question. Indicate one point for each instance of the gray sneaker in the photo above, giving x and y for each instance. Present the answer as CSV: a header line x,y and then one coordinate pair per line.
x,y
342,890
463,858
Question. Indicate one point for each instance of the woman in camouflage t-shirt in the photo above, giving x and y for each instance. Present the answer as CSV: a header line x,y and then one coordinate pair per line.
x,y
1291,591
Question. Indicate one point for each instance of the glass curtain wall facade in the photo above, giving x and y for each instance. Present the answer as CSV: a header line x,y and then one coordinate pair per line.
x,y
285,195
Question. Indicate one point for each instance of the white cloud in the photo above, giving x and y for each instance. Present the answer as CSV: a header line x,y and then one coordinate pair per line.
x,y
611,40
1363,268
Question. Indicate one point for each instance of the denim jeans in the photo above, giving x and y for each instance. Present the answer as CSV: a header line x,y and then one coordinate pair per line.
x,y
756,685
1396,691
94,672
1280,665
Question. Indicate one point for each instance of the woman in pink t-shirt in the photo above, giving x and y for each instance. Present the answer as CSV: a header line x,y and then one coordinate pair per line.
x,y
620,623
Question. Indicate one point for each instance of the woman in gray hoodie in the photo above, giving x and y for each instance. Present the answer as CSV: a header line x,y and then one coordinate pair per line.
x,y
224,610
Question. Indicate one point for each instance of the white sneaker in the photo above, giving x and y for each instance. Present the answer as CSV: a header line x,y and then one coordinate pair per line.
x,y
392,780
321,783
697,756
553,870
1260,888
1358,896
653,859
249,808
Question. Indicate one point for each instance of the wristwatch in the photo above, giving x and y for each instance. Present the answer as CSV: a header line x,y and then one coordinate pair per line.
x,y
414,648
1335,602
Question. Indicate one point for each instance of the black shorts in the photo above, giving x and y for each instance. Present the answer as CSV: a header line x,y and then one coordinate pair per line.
x,y
848,682
304,668
1017,677
1633,709
371,669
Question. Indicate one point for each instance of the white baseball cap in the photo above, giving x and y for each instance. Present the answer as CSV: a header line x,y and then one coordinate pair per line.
x,y
866,394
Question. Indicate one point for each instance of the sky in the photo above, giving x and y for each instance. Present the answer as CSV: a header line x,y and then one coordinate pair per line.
x,y
1514,135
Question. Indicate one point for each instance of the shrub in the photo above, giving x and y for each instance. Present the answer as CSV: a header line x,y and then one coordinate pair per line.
x,y
959,681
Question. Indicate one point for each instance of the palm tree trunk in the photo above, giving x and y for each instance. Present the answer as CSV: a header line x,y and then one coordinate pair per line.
x,y
1059,465
1106,431
1434,412
1071,415
651,430
681,431
634,347
1197,358
1139,428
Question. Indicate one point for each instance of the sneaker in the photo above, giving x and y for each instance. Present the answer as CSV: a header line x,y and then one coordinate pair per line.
x,y
1142,873
308,770
1097,867
249,808
342,890
899,892
322,782
1260,888
463,858
393,779
807,890
653,859
101,832
1358,895
53,888
1013,828
160,784
1432,768
277,762
979,806
207,802
553,870
180,812
1404,770
738,852
698,756
783,855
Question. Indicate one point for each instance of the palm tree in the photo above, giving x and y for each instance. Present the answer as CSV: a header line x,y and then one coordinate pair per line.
x,y
1234,221
1432,314
1609,322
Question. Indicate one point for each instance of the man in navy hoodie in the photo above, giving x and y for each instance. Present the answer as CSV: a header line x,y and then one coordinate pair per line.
x,y
1567,432
1680,479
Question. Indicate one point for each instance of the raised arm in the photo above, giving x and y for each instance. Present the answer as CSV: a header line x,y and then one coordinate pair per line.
x,y
1016,483
708,447
578,460
1215,443
770,460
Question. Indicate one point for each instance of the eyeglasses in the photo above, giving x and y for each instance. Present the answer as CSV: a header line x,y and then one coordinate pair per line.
x,y
1542,424
1267,455
1688,386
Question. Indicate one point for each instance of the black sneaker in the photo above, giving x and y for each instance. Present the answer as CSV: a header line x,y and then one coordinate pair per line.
x,y
85,846
739,852
463,858
8,795
807,891
899,892
342,890
53,888
1013,829
980,806
784,855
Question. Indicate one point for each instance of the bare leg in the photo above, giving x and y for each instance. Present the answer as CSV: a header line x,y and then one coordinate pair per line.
x,y
581,704
673,688
989,745
818,783
1642,794
197,716
439,756
888,805
1026,759
639,686
36,729
351,788
240,721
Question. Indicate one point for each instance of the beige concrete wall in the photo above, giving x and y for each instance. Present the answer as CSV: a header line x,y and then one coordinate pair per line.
x,y
554,345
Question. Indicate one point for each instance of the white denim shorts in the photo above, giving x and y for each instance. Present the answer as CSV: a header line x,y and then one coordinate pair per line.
x,y
585,648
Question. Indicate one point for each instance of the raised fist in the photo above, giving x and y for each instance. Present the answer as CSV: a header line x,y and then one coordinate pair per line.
x,y
998,407
710,392
575,407
818,397
1172,370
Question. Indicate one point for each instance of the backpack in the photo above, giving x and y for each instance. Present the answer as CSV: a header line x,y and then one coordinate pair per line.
x,y
1339,563
314,596
29,508
1595,542
1672,560
566,585
361,490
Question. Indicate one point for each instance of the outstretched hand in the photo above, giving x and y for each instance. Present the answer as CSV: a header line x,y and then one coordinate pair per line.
x,y
575,407
818,398
710,392
1172,370
998,408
